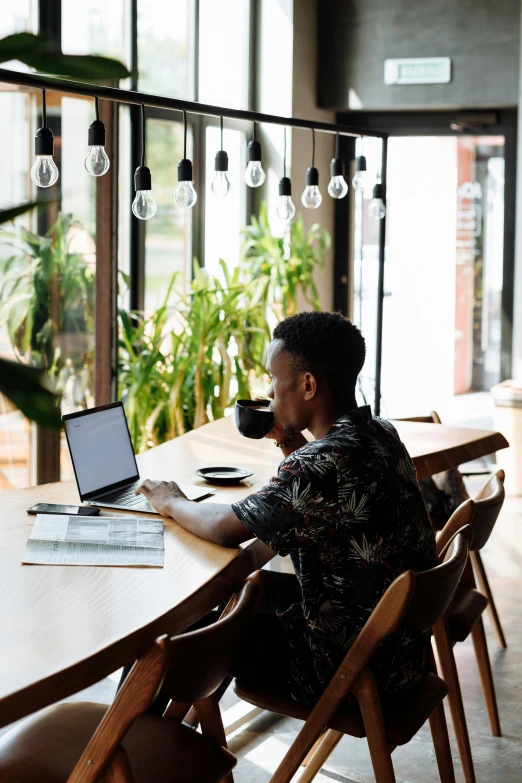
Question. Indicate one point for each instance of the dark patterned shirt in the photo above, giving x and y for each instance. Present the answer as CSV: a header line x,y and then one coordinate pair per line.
x,y
349,512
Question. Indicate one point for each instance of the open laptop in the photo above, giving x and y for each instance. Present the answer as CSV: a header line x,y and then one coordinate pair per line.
x,y
103,460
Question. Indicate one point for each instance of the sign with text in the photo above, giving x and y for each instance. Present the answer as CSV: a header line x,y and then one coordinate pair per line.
x,y
418,70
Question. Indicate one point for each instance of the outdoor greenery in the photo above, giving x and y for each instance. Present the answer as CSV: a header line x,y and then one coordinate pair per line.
x,y
47,303
198,353
287,264
27,387
184,364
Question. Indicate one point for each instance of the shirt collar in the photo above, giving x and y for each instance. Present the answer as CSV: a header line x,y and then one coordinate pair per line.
x,y
361,415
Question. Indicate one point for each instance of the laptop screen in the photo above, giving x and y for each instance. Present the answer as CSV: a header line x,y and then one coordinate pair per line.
x,y
101,449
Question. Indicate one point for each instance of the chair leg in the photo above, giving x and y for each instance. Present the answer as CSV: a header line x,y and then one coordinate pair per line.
x,y
486,676
371,710
330,740
482,578
313,749
439,733
450,674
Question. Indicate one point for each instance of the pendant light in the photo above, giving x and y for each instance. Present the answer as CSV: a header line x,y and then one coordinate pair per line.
x,y
377,208
221,182
185,194
143,206
97,161
337,187
44,171
360,180
285,207
311,198
254,173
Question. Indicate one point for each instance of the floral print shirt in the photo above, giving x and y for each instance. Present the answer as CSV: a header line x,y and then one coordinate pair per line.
x,y
349,512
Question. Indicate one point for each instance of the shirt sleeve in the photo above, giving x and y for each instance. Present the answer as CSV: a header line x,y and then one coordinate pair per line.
x,y
279,513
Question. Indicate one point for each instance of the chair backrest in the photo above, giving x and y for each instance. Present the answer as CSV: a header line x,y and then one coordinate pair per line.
x,y
200,660
195,664
433,418
435,587
416,599
488,503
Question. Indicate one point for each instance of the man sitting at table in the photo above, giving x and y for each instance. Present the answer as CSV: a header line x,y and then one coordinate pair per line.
x,y
346,507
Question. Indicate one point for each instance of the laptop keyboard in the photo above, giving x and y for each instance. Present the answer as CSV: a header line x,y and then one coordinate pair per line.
x,y
125,495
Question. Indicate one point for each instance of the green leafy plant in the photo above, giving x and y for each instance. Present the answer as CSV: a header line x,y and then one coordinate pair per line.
x,y
47,301
189,360
285,264
28,389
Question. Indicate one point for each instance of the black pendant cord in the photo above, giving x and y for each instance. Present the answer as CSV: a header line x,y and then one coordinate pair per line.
x,y
221,123
254,136
184,135
313,148
284,156
44,109
97,109
142,135
336,145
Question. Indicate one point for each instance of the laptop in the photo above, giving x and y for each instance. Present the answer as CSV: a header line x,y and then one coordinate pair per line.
x,y
103,460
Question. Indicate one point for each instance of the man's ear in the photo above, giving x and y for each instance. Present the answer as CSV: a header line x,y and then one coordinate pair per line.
x,y
310,386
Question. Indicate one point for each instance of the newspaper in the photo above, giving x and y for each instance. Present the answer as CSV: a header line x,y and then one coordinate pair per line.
x,y
58,539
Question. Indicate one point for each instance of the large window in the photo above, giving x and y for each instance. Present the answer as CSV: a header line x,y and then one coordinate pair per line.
x,y
183,49
167,237
165,47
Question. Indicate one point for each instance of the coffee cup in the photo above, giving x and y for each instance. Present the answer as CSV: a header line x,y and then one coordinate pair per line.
x,y
254,419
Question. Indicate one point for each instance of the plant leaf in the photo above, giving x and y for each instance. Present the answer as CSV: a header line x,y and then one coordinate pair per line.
x,y
77,66
27,388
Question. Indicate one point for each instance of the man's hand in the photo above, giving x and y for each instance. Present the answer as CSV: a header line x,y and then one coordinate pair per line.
x,y
160,494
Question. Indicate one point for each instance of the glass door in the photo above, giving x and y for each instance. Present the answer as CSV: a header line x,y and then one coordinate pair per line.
x,y
444,275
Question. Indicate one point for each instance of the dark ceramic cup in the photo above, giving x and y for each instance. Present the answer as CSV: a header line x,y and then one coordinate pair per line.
x,y
253,419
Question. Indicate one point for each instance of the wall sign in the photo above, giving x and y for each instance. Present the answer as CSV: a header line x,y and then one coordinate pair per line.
x,y
418,70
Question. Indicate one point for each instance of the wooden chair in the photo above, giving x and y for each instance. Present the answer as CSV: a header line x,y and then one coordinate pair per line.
x,y
464,616
493,491
84,743
418,600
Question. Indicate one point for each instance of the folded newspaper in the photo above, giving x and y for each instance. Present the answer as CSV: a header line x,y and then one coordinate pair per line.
x,y
95,541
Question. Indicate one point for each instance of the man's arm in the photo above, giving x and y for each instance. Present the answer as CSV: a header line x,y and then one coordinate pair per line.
x,y
214,522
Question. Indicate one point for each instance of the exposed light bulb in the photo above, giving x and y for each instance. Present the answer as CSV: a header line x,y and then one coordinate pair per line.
x,y
377,209
185,194
311,198
359,182
221,182
97,161
44,171
285,206
254,173
337,187
143,206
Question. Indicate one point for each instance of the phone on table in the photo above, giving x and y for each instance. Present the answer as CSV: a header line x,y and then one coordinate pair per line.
x,y
54,508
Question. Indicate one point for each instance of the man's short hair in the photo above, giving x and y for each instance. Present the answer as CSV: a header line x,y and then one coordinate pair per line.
x,y
326,344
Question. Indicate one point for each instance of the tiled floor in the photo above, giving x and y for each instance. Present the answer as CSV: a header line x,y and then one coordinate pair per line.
x,y
262,744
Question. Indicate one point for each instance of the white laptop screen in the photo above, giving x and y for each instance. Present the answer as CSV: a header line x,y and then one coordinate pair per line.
x,y
101,449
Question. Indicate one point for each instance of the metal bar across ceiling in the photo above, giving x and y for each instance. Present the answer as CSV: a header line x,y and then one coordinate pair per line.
x,y
131,97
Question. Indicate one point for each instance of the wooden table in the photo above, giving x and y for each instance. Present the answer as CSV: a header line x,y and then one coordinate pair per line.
x,y
65,628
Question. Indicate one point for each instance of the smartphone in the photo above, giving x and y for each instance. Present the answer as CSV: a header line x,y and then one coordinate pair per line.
x,y
53,508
